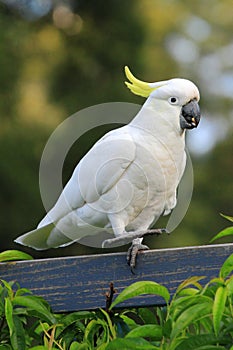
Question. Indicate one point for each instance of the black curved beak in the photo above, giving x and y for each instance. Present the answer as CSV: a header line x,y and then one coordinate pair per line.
x,y
190,115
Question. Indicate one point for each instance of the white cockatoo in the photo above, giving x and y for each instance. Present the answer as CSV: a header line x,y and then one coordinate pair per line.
x,y
129,178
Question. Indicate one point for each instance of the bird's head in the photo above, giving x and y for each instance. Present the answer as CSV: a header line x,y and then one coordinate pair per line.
x,y
179,94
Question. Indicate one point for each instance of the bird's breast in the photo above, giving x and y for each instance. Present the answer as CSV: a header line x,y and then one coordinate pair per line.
x,y
161,162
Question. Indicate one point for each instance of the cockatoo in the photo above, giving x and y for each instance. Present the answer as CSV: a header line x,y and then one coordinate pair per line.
x,y
129,178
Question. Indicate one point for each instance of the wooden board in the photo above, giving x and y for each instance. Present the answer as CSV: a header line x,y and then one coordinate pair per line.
x,y
80,283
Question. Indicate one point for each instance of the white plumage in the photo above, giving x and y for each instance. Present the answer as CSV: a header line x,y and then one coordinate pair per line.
x,y
130,176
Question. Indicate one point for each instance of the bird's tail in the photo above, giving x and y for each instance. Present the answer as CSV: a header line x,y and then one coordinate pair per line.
x,y
49,236
39,238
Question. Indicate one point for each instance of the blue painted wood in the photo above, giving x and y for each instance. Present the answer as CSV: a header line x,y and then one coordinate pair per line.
x,y
80,283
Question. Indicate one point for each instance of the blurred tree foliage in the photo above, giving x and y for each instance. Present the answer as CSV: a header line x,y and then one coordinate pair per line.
x,y
73,57
92,65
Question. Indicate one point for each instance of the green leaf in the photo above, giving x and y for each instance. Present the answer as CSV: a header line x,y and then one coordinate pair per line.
x,y
226,232
73,317
18,340
8,287
230,218
74,346
128,320
148,330
218,307
9,255
17,334
190,281
74,320
122,328
167,328
109,322
229,285
130,344
147,315
83,346
78,315
161,314
22,291
197,341
227,267
139,288
190,315
9,315
36,306
93,329
179,305
216,281
188,292
207,325
42,326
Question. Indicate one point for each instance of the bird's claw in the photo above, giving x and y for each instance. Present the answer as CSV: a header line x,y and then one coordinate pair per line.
x,y
136,239
133,252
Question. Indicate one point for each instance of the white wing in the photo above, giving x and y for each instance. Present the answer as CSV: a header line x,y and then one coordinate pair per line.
x,y
98,171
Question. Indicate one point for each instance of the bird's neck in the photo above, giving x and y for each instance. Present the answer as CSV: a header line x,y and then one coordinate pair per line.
x,y
159,119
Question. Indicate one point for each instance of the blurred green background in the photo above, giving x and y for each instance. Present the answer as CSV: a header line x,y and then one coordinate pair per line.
x,y
57,57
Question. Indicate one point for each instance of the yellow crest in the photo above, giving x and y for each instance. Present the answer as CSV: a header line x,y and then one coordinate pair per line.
x,y
139,87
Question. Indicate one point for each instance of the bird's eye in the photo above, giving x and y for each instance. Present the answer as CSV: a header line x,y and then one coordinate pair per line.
x,y
173,100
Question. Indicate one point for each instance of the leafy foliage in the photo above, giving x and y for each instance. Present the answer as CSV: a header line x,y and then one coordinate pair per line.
x,y
196,317
20,314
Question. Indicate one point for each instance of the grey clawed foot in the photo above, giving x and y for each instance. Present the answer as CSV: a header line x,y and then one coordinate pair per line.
x,y
133,253
128,237
137,245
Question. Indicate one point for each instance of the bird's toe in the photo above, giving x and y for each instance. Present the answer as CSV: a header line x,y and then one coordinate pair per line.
x,y
133,253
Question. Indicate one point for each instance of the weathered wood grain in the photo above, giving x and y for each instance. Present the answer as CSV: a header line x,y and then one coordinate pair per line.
x,y
80,283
